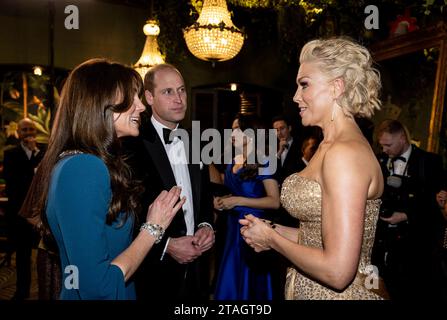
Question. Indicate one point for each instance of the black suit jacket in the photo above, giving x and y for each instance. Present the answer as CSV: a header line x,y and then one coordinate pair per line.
x,y
424,180
18,172
166,278
292,162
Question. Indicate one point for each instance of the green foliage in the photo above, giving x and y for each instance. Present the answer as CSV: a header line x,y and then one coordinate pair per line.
x,y
11,105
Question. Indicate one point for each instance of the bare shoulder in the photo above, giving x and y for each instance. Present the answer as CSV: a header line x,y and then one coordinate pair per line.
x,y
347,151
350,156
354,159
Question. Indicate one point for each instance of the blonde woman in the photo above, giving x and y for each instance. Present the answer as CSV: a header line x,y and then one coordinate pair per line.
x,y
336,196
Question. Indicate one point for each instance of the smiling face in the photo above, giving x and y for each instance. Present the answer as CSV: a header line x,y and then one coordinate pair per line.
x,y
127,123
315,95
168,99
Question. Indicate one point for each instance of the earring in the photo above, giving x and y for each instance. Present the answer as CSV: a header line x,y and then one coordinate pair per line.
x,y
333,113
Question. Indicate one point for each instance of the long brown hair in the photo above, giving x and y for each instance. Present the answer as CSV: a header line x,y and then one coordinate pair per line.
x,y
84,122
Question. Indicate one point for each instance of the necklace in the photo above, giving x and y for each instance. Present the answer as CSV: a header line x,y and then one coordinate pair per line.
x,y
69,153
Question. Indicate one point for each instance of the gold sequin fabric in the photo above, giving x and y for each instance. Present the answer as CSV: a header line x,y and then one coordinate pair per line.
x,y
301,197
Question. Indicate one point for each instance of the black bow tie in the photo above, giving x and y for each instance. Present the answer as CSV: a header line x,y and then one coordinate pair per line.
x,y
399,158
166,133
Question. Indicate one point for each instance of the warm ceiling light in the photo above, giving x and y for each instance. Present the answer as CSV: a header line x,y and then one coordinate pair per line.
x,y
151,54
37,71
233,86
214,37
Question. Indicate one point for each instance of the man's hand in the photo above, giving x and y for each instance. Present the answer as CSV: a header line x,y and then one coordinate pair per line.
x,y
282,147
396,217
204,238
183,250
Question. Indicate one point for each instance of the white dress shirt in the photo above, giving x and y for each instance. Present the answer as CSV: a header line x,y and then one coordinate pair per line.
x,y
286,151
179,164
28,151
399,165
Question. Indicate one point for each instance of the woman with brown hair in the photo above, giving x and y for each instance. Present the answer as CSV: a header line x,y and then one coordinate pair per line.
x,y
243,275
83,191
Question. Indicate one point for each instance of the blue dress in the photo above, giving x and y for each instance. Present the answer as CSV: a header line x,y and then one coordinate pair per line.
x,y
78,200
242,274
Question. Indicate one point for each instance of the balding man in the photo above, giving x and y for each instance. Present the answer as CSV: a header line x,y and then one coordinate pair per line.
x,y
19,166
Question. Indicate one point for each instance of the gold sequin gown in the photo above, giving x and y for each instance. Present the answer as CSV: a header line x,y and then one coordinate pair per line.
x,y
301,197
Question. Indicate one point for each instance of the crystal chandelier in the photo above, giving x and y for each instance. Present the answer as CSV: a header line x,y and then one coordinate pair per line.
x,y
151,54
213,37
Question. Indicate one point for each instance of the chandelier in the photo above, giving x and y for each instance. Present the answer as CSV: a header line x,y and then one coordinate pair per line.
x,y
151,54
213,37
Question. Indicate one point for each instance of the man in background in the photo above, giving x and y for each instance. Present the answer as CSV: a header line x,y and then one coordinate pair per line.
x,y
288,152
20,164
409,214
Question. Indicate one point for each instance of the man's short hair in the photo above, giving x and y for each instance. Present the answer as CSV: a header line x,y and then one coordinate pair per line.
x,y
150,75
392,127
280,118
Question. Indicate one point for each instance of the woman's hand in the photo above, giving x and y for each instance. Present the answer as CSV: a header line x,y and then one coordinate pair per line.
x,y
164,207
225,203
441,198
256,233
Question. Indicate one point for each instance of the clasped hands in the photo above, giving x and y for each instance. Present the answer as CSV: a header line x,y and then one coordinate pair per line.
x,y
226,202
256,232
188,248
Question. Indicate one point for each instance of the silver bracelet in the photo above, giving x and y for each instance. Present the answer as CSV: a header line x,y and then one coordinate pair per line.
x,y
154,230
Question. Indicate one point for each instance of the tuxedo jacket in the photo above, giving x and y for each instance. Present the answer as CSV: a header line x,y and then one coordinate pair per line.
x,y
292,162
18,172
424,180
165,278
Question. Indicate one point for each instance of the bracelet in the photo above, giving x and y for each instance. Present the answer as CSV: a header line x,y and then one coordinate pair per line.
x,y
205,224
154,230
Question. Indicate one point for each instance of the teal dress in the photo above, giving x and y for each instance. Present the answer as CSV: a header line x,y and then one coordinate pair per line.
x,y
78,200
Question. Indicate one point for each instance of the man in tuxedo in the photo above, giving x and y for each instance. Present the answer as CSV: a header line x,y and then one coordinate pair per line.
x,y
288,153
173,269
19,166
409,215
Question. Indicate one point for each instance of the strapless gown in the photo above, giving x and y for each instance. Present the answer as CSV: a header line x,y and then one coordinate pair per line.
x,y
301,197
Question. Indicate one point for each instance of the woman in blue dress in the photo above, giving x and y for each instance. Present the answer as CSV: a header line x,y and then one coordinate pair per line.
x,y
83,190
243,275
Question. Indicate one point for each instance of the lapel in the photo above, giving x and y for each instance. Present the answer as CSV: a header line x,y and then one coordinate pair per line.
x,y
23,158
157,152
413,161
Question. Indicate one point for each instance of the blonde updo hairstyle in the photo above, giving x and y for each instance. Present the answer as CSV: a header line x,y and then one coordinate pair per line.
x,y
345,59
